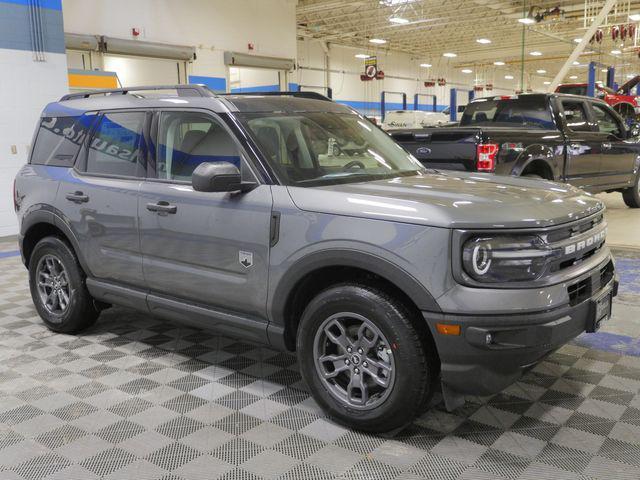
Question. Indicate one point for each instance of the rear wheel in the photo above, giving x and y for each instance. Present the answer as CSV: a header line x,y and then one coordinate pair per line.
x,y
58,289
363,359
631,195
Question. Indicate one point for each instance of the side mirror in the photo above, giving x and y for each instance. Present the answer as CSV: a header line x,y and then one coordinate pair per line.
x,y
633,130
219,177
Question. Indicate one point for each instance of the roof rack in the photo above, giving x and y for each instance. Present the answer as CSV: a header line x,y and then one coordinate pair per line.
x,y
311,95
189,90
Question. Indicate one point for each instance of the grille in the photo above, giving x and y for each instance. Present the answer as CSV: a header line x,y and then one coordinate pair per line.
x,y
584,234
582,290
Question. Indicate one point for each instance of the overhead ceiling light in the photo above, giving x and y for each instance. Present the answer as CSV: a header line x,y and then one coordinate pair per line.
x,y
541,71
616,52
361,55
498,63
378,41
484,41
631,75
604,70
547,82
527,20
425,65
576,63
577,40
466,70
573,77
449,55
508,77
635,17
398,20
535,53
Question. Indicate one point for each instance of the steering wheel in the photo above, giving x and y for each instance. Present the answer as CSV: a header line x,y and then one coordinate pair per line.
x,y
354,163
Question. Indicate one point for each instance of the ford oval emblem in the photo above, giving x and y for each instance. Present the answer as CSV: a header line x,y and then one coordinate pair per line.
x,y
423,150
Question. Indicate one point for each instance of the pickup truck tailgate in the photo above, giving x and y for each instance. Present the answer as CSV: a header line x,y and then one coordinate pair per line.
x,y
441,148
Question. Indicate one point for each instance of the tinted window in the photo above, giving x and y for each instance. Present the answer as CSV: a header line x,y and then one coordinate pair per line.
x,y
117,148
59,139
607,123
525,112
187,139
575,116
572,89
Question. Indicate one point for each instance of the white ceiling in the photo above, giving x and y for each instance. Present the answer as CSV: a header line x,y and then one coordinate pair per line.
x,y
438,26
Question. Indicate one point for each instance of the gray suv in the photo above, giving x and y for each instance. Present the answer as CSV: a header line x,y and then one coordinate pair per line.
x,y
293,221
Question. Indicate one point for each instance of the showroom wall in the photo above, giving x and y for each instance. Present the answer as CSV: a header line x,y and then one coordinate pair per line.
x,y
34,72
402,73
212,26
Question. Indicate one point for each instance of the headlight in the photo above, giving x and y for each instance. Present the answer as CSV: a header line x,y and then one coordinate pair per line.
x,y
505,259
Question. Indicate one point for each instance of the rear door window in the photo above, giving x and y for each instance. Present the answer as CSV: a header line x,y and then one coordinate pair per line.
x,y
575,115
118,146
59,139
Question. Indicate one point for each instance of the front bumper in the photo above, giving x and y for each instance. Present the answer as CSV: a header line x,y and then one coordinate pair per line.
x,y
470,364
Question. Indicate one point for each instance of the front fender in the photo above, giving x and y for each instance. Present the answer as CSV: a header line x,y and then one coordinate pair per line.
x,y
342,257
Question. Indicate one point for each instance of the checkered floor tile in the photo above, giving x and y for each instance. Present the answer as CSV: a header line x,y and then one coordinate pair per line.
x,y
139,398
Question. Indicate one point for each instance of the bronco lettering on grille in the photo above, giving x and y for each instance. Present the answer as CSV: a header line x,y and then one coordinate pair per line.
x,y
587,242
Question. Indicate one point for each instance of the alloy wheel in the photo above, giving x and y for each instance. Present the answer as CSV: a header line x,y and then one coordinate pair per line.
x,y
53,284
354,360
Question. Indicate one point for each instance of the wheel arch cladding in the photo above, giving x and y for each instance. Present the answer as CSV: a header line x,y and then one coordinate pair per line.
x,y
39,225
318,271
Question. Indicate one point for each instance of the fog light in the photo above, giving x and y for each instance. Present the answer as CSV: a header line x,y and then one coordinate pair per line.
x,y
488,339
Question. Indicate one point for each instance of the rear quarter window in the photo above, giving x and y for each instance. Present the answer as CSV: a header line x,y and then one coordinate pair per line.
x,y
59,139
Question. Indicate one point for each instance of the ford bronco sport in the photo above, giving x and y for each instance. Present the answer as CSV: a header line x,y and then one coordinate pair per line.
x,y
293,221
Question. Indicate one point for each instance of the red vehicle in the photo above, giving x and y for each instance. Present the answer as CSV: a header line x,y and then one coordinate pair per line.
x,y
622,102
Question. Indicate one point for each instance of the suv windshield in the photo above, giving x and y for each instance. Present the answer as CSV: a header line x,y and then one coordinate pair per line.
x,y
522,111
322,148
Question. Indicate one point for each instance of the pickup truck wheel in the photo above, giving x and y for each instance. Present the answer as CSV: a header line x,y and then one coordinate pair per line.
x,y
362,358
631,195
58,289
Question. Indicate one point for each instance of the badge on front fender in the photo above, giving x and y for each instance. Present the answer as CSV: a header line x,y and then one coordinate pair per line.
x,y
245,258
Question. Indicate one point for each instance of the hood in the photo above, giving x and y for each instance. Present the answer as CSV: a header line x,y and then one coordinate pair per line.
x,y
453,200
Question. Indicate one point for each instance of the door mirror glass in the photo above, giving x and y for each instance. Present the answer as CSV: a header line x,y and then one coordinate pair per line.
x,y
218,177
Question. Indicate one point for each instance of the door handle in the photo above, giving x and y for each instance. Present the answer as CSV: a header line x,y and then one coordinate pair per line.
x,y
162,207
606,146
77,197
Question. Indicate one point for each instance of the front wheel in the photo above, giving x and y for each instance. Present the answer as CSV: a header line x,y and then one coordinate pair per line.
x,y
363,359
631,195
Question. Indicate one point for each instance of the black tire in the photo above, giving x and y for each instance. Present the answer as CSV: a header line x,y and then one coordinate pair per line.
x,y
631,195
80,311
415,362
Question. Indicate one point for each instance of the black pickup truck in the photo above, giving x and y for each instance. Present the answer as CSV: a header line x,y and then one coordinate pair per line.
x,y
566,138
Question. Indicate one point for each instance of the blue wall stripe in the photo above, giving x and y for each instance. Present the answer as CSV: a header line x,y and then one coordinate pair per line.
x,y
15,28
13,253
259,88
99,73
49,4
373,107
217,84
